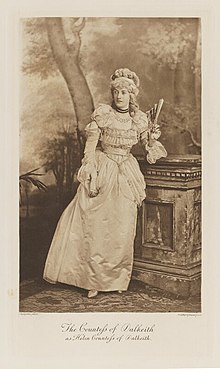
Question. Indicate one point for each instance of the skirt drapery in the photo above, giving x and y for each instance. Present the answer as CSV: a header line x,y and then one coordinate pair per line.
x,y
92,247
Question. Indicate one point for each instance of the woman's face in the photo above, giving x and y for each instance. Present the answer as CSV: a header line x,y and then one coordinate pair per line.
x,y
121,98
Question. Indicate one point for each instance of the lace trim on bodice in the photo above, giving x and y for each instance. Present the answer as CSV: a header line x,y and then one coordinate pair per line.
x,y
119,137
105,117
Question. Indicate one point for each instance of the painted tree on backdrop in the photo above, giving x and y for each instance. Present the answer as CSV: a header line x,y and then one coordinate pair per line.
x,y
55,48
47,121
168,64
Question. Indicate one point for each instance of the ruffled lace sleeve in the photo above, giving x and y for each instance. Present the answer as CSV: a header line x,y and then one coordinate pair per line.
x,y
92,132
155,152
141,122
101,115
149,138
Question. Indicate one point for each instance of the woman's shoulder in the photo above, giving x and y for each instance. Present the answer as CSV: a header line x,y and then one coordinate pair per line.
x,y
141,121
101,114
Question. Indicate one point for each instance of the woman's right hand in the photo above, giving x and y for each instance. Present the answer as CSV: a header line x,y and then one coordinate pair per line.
x,y
93,193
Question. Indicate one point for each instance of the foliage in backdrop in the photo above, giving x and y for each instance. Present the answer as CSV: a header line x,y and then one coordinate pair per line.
x,y
66,67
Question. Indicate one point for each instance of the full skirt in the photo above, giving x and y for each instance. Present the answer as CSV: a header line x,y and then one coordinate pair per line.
x,y
92,247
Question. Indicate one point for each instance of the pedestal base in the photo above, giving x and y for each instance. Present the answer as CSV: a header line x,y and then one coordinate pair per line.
x,y
184,284
167,252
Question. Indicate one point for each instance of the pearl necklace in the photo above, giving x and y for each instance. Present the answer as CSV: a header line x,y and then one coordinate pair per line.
x,y
122,120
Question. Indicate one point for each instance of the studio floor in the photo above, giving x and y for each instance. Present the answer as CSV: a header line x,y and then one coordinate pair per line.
x,y
41,297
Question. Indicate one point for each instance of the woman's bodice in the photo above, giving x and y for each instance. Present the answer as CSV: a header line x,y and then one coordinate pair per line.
x,y
117,134
118,140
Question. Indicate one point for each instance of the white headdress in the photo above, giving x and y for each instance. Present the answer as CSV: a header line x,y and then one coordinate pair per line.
x,y
125,78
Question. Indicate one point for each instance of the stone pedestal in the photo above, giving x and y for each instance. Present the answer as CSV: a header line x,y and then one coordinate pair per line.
x,y
168,241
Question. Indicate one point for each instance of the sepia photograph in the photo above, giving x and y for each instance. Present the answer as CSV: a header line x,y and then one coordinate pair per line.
x,y
110,165
110,202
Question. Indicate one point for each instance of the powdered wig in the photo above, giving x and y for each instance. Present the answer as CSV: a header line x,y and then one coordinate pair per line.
x,y
124,78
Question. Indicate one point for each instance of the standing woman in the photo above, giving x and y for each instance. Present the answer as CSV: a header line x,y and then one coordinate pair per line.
x,y
92,247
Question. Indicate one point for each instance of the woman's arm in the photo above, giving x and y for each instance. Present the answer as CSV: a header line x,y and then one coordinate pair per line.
x,y
88,171
155,150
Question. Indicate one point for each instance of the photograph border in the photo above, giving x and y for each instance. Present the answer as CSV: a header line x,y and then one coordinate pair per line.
x,y
180,340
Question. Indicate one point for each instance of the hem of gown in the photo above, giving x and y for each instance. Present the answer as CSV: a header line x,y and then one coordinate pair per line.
x,y
87,288
49,280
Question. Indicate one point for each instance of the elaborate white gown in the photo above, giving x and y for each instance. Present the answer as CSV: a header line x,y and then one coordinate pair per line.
x,y
92,247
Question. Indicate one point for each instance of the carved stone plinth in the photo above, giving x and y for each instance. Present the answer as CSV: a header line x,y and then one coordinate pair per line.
x,y
168,241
